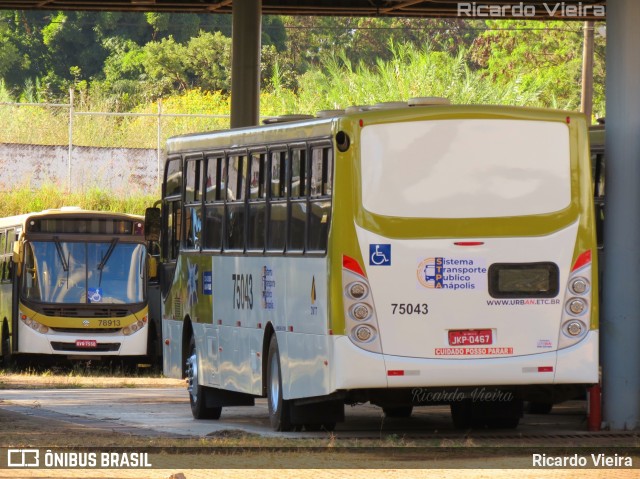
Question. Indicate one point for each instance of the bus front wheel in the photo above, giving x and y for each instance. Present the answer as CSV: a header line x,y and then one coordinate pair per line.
x,y
197,392
279,408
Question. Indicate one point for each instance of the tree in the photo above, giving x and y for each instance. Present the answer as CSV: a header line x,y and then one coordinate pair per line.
x,y
10,53
23,55
64,35
208,61
531,52
164,65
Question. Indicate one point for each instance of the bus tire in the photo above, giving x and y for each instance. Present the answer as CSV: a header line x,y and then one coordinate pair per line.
x,y
279,408
462,414
397,411
539,407
197,393
7,359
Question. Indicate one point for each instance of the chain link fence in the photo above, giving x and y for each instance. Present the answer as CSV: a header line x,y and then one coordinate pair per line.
x,y
65,145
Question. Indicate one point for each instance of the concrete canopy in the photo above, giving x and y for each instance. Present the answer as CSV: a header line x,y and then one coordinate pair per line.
x,y
567,10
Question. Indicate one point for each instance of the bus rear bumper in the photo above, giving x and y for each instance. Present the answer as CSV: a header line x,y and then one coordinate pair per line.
x,y
361,369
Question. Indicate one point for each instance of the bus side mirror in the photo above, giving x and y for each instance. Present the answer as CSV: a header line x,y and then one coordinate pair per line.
x,y
152,224
17,256
153,267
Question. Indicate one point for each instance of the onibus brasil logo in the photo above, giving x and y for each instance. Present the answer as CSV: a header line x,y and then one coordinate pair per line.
x,y
452,273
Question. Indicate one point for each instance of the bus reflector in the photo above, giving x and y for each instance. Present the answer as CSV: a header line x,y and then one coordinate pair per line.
x,y
469,243
583,259
545,369
352,265
395,372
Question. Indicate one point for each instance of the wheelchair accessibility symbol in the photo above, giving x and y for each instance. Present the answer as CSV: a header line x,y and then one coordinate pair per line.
x,y
380,255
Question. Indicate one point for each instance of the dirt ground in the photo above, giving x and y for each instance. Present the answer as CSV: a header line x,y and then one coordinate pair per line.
x,y
20,430
25,431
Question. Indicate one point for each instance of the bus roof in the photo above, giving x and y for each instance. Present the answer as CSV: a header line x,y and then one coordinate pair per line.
x,y
71,212
289,128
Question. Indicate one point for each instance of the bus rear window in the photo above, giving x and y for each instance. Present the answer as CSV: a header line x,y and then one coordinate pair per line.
x,y
467,168
524,280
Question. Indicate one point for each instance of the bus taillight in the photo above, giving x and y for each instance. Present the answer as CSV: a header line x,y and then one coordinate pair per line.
x,y
360,316
577,303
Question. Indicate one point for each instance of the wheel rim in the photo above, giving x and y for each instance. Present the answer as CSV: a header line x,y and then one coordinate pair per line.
x,y
192,375
274,387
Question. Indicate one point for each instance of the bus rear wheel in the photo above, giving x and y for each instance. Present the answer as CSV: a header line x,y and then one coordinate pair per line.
x,y
279,408
197,393
6,347
467,414
397,411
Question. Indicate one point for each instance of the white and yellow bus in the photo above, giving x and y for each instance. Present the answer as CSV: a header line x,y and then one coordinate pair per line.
x,y
74,285
402,254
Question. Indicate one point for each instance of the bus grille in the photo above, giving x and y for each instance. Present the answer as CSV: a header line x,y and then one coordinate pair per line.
x,y
85,330
100,347
86,313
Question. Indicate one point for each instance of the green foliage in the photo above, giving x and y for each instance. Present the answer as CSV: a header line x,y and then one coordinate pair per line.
x,y
128,61
25,199
411,72
208,61
338,82
535,53
10,57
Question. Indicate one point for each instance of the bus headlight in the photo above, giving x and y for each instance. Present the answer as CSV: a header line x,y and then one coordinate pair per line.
x,y
132,328
360,311
576,306
33,324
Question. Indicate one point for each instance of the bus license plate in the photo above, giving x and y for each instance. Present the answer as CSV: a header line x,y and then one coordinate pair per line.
x,y
470,337
86,343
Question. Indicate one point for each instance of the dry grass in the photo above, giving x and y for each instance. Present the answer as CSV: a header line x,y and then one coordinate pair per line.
x,y
25,199
66,381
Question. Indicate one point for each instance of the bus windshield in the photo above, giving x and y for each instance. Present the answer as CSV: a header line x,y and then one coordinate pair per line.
x,y
83,273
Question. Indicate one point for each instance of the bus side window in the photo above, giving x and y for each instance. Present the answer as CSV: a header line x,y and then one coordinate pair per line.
x,y
298,200
277,209
173,178
173,208
193,207
320,199
598,162
215,193
9,266
4,257
257,219
235,217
